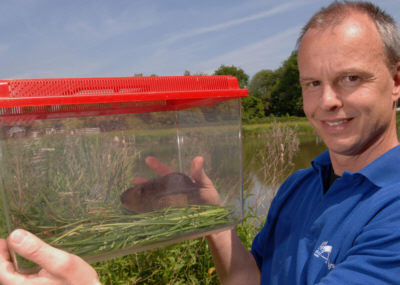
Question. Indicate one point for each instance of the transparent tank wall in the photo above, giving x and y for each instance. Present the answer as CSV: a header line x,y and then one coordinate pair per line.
x,y
64,179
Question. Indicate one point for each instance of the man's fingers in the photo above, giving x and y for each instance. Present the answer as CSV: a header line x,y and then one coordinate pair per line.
x,y
198,174
139,180
30,247
6,265
158,167
54,261
208,193
4,253
8,273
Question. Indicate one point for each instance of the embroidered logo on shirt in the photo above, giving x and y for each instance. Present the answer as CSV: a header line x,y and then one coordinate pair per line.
x,y
324,251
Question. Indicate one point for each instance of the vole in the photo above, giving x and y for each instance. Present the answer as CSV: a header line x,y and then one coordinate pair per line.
x,y
175,189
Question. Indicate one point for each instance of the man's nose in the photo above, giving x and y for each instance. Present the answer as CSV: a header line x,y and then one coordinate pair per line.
x,y
330,99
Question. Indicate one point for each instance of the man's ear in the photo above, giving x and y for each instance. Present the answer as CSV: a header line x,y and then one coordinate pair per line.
x,y
396,79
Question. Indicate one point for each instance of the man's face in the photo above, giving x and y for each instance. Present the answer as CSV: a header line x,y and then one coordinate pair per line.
x,y
348,90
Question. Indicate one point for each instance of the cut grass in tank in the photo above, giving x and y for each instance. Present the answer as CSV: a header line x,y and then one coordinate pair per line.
x,y
67,191
108,232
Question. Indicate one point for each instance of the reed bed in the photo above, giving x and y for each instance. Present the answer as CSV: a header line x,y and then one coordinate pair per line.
x,y
64,185
106,231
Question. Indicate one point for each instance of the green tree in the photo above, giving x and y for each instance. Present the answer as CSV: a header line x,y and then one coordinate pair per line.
x,y
261,84
239,73
286,93
252,108
188,73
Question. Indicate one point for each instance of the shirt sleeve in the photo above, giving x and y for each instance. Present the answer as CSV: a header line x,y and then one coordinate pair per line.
x,y
257,247
262,239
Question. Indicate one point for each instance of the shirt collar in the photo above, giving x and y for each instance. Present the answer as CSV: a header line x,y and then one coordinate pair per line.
x,y
382,171
321,161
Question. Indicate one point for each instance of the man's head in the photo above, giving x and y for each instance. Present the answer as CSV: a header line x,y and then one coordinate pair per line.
x,y
335,13
350,81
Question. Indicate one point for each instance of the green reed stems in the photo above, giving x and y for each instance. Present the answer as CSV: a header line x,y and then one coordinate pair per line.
x,y
100,233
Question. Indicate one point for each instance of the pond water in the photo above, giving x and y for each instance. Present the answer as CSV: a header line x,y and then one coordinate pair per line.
x,y
258,195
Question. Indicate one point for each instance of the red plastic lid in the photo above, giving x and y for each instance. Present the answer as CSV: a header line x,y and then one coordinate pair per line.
x,y
138,94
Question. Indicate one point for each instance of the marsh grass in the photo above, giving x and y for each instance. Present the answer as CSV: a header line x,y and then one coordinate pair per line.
x,y
108,233
263,127
271,164
66,189
105,232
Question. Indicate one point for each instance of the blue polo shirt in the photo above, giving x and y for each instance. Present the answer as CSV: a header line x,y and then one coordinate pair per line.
x,y
350,235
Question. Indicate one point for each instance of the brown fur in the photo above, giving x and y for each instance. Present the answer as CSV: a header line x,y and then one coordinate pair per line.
x,y
172,190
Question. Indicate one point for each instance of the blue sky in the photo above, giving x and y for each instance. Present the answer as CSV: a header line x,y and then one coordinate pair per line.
x,y
91,38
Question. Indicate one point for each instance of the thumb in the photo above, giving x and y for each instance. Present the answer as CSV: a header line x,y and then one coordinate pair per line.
x,y
55,261
208,193
198,174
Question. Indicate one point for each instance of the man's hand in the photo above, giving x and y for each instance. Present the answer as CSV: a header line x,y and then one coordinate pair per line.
x,y
208,193
58,267
234,263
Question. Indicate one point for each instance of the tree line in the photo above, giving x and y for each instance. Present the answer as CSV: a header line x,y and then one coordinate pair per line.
x,y
271,92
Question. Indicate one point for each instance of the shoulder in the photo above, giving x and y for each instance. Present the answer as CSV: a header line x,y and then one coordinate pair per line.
x,y
295,182
300,176
290,192
302,185
305,179
384,205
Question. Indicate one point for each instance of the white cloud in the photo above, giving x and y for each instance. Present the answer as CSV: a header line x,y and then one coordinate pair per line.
x,y
222,26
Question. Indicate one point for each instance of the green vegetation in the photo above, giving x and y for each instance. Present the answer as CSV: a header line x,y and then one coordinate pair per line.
x,y
107,230
190,262
66,189
64,183
271,92
264,126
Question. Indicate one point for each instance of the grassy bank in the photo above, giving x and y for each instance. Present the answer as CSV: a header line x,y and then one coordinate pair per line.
x,y
265,125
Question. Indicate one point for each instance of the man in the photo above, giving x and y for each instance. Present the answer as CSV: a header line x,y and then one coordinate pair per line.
x,y
318,230
339,221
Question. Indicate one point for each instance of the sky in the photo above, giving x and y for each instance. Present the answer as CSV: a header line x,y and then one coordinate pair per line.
x,y
108,38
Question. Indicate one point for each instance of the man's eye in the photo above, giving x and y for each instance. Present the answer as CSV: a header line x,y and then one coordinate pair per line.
x,y
351,78
310,85
314,83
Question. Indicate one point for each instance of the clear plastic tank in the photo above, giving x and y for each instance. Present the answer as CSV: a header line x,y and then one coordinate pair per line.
x,y
103,167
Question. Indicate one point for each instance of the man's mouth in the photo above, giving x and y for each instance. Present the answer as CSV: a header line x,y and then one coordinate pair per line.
x,y
337,123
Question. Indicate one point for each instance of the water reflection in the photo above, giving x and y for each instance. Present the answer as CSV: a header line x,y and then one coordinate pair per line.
x,y
259,195
310,147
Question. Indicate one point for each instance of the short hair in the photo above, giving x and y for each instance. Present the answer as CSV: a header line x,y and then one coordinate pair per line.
x,y
336,12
